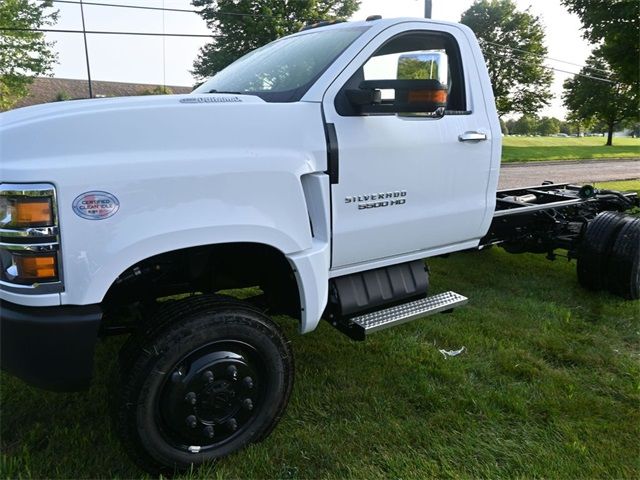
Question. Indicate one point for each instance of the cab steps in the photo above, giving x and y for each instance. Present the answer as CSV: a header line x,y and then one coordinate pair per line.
x,y
359,327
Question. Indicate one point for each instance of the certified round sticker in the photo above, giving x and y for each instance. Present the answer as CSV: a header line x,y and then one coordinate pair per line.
x,y
96,205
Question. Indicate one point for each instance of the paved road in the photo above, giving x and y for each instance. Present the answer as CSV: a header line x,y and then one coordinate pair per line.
x,y
579,171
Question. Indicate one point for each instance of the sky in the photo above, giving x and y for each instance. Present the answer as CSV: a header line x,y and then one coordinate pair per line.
x,y
168,61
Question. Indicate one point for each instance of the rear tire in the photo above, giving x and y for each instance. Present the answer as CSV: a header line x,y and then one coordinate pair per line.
x,y
199,388
623,272
595,249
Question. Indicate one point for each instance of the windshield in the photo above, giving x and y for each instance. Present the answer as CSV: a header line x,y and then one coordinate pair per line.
x,y
284,70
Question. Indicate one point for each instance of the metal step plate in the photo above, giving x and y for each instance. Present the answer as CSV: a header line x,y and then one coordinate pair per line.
x,y
390,317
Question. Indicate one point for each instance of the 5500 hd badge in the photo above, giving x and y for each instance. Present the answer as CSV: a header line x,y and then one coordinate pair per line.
x,y
378,200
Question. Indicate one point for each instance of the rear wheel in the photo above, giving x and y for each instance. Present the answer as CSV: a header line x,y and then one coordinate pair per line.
x,y
595,249
216,379
623,272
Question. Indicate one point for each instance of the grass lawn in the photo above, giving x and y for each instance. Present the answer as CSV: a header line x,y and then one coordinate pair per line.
x,y
621,185
549,387
529,149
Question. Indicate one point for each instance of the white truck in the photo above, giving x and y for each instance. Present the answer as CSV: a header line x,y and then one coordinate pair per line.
x,y
322,168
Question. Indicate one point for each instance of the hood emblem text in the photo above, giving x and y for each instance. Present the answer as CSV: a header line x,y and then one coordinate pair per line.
x,y
211,99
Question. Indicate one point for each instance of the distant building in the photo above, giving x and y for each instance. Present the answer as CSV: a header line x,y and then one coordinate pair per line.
x,y
45,90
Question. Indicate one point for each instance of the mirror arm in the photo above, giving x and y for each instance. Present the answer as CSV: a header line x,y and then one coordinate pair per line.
x,y
363,97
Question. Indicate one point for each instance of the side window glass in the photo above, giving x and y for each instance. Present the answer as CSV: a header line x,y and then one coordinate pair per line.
x,y
415,70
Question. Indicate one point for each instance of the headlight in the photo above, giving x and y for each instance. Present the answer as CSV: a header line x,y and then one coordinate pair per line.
x,y
29,242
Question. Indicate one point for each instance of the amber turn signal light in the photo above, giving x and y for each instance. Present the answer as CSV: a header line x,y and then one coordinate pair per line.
x,y
19,212
35,267
424,96
33,212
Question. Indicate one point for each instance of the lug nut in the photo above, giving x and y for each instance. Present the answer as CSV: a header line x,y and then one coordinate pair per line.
x,y
191,398
208,431
232,424
192,421
247,404
233,371
208,376
248,382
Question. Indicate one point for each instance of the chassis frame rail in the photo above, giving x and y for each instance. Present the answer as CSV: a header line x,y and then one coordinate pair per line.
x,y
542,218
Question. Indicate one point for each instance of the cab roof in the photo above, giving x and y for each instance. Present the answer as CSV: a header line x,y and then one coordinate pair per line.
x,y
381,23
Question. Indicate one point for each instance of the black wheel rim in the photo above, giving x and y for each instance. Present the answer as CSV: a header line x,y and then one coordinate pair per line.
x,y
210,396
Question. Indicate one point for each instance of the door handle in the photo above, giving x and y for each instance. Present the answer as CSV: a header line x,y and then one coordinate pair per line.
x,y
472,137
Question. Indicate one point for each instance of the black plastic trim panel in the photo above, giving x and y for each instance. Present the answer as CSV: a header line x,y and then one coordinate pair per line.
x,y
333,167
383,287
49,347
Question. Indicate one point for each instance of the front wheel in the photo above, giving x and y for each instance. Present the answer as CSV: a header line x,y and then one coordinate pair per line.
x,y
206,385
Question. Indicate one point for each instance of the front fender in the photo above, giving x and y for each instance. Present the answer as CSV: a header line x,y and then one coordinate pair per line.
x,y
184,175
160,215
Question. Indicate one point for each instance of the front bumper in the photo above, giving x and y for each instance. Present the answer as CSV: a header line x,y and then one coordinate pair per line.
x,y
49,347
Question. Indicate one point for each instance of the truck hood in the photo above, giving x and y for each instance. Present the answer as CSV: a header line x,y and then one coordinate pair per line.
x,y
50,111
78,133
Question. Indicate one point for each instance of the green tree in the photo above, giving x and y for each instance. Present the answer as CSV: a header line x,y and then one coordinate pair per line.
x,y
416,69
24,54
158,90
580,126
549,126
503,127
615,26
634,126
62,96
243,25
596,101
513,43
509,124
526,125
569,127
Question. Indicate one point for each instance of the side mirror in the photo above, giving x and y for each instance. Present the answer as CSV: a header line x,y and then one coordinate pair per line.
x,y
425,65
411,96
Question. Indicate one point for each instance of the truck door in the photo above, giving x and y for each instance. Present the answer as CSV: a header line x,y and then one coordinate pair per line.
x,y
416,181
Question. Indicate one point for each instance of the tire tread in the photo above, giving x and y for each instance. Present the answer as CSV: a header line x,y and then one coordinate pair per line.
x,y
595,249
623,271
